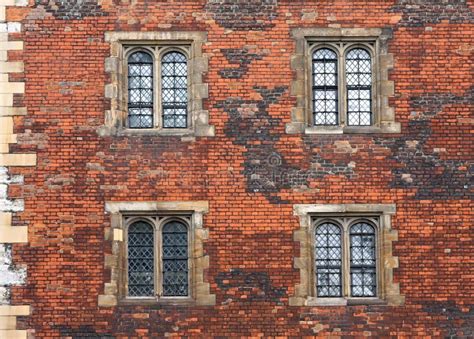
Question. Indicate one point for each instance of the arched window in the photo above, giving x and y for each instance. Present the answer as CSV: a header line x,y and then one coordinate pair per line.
x,y
328,256
174,90
362,261
140,260
140,90
175,259
359,87
325,90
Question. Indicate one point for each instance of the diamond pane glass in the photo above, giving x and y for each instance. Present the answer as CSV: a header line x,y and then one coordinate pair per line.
x,y
175,259
328,256
140,90
324,87
174,94
359,87
363,260
140,260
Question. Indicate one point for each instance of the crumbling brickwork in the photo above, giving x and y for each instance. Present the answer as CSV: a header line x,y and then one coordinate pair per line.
x,y
249,170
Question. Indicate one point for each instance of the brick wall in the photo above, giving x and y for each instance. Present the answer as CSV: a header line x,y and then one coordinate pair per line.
x,y
251,172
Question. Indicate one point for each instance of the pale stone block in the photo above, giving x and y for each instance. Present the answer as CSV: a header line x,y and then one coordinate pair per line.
x,y
10,45
8,138
9,310
6,99
200,91
110,289
11,67
7,2
207,300
8,111
107,300
13,27
5,219
4,148
12,87
118,234
7,323
2,13
13,334
110,91
17,159
6,125
205,131
15,234
297,87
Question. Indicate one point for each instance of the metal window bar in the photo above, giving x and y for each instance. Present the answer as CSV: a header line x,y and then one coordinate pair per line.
x,y
174,90
140,260
140,90
325,87
363,260
328,260
175,259
359,87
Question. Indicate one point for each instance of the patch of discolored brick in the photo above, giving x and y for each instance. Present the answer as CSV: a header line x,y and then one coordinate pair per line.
x,y
71,9
418,13
240,57
243,15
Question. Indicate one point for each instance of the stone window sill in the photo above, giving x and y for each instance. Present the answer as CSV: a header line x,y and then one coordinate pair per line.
x,y
157,301
312,301
384,128
198,131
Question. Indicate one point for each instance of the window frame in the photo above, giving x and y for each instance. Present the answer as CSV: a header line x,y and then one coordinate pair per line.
x,y
157,52
379,216
157,222
341,40
190,43
157,213
345,222
341,49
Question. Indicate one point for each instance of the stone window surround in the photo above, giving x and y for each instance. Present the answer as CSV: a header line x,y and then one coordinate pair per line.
x,y
306,40
192,211
116,90
388,292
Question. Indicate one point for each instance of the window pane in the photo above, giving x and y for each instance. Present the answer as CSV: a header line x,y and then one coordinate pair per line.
x,y
175,259
140,260
363,260
324,87
174,95
359,87
328,256
140,90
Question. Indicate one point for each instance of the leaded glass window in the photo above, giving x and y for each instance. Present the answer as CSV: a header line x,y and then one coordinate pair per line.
x,y
175,259
359,87
328,256
362,261
325,89
140,90
174,90
140,260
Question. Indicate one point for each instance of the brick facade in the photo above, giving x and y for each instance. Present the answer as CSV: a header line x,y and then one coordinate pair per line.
x,y
249,170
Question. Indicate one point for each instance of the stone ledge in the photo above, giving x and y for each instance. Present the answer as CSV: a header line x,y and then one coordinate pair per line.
x,y
304,209
150,206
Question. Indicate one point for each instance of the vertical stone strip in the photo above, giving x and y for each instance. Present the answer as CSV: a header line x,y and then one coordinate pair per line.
x,y
10,274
